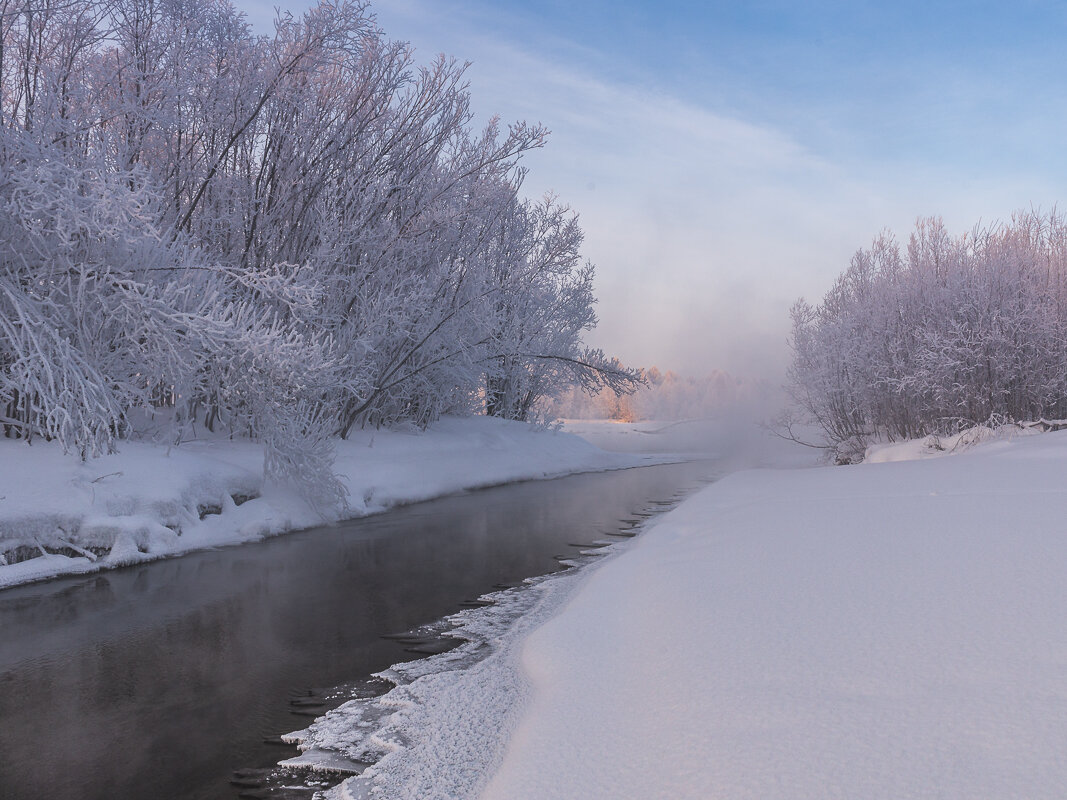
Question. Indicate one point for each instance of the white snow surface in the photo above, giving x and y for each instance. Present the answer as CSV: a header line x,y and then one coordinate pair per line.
x,y
146,501
934,446
887,630
443,731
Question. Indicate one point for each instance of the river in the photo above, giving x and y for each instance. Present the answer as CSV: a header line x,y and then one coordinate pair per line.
x,y
157,681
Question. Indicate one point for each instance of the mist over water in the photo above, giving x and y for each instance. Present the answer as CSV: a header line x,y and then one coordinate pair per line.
x,y
156,681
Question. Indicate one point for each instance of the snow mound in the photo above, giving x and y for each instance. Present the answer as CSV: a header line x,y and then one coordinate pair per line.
x,y
934,446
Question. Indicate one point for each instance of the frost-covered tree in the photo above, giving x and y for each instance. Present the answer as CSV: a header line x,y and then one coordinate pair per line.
x,y
668,396
278,236
541,297
951,332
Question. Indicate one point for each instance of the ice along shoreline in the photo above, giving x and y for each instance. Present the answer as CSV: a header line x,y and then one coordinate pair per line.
x,y
414,738
61,516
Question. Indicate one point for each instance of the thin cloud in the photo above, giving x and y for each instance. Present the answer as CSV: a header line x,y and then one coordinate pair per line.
x,y
704,224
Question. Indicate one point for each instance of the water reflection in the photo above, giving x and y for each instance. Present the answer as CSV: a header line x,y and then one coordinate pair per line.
x,y
156,680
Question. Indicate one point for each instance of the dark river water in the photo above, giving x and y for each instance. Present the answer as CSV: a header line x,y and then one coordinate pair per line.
x,y
157,681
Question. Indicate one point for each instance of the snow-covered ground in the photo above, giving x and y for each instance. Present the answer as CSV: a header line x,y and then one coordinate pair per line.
x,y
934,446
885,630
442,731
59,515
880,631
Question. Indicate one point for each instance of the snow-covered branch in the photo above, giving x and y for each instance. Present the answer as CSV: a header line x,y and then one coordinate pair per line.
x,y
950,333
276,236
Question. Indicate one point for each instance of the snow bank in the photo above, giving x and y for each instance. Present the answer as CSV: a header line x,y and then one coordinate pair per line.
x,y
877,631
441,731
935,446
59,515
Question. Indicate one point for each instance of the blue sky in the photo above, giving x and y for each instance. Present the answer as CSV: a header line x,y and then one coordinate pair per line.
x,y
727,158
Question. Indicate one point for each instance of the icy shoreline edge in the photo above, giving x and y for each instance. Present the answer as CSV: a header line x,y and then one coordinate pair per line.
x,y
444,726
60,516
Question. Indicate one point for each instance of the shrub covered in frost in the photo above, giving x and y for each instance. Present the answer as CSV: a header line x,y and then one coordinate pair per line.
x,y
945,334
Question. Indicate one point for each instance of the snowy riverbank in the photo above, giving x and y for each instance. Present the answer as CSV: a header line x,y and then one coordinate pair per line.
x,y
880,631
59,515
442,730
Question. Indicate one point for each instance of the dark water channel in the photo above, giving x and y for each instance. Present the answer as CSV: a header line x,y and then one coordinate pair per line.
x,y
157,681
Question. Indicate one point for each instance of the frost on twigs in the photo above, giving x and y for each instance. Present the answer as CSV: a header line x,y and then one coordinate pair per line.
x,y
313,239
943,335
299,451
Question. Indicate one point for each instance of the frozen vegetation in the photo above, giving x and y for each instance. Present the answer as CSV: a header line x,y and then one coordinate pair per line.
x,y
670,396
951,332
256,283
282,238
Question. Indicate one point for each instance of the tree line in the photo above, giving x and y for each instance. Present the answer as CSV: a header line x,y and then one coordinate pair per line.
x,y
947,333
282,236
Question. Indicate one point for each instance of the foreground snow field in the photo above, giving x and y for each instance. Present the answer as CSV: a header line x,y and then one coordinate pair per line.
x,y
59,515
881,631
886,630
442,731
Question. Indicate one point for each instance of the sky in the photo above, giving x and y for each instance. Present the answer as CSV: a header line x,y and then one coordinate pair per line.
x,y
727,158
